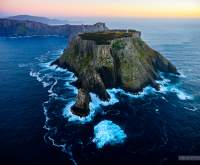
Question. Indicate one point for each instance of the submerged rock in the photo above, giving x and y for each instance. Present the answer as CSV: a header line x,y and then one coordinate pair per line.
x,y
113,59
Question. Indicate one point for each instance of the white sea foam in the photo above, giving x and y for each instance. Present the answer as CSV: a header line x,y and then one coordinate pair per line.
x,y
24,65
53,130
51,88
64,149
96,102
41,78
182,95
113,99
57,145
106,132
60,51
52,67
94,105
182,75
33,74
71,77
146,91
37,75
166,87
191,108
71,87
46,84
46,117
74,118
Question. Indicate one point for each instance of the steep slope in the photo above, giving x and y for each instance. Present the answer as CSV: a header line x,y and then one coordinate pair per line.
x,y
112,59
14,28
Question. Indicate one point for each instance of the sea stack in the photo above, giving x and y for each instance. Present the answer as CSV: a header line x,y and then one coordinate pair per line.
x,y
111,59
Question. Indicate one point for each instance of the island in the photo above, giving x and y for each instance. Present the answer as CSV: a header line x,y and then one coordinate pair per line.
x,y
111,59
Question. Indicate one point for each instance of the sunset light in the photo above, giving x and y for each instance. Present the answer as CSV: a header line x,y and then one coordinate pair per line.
x,y
103,8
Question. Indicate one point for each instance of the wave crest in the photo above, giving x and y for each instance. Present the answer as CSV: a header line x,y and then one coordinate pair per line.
x,y
106,132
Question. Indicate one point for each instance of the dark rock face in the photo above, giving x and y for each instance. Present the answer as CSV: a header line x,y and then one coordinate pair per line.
x,y
81,108
123,60
91,81
14,28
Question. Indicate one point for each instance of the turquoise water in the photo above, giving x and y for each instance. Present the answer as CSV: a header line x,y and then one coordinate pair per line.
x,y
151,127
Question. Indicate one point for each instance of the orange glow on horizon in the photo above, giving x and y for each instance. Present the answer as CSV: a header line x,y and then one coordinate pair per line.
x,y
85,9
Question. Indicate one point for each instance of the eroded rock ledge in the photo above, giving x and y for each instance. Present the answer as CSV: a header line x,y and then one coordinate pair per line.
x,y
111,59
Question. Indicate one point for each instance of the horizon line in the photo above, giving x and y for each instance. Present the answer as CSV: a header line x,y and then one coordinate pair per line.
x,y
96,17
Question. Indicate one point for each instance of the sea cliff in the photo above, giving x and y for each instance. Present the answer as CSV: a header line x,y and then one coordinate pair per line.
x,y
111,59
16,28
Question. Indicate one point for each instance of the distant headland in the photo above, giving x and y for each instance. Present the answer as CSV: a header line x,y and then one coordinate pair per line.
x,y
20,26
43,20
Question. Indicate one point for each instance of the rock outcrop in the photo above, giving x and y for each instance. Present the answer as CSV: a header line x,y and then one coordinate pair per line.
x,y
15,28
112,59
81,107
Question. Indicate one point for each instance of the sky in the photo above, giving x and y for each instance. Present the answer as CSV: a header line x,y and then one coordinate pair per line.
x,y
103,8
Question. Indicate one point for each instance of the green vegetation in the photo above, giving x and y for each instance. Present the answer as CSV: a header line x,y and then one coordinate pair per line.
x,y
85,62
122,30
117,45
143,49
104,38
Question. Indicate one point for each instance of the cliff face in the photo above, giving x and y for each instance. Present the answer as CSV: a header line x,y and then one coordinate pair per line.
x,y
113,59
10,28
43,20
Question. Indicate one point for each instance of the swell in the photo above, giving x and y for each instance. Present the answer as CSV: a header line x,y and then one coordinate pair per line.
x,y
58,80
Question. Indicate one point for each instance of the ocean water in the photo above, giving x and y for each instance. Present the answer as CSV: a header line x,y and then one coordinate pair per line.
x,y
151,127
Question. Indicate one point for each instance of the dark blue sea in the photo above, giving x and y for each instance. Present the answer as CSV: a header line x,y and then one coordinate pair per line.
x,y
151,127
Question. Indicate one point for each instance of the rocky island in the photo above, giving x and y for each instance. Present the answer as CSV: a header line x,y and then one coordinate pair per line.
x,y
111,59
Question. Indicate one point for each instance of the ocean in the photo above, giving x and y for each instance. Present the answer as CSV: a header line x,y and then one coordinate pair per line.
x,y
151,127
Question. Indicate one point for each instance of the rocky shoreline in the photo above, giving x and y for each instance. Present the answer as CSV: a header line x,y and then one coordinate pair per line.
x,y
111,59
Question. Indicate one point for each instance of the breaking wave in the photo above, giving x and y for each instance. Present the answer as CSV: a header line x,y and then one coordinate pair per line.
x,y
74,118
106,132
167,87
58,81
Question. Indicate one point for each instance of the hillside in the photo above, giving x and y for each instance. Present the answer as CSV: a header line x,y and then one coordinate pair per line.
x,y
43,20
15,28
